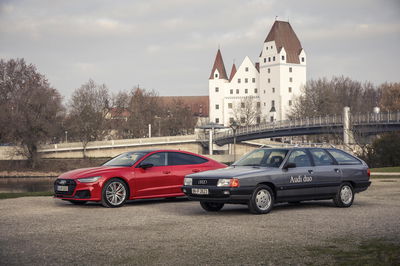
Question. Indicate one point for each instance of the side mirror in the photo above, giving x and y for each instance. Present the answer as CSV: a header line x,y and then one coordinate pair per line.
x,y
146,165
289,165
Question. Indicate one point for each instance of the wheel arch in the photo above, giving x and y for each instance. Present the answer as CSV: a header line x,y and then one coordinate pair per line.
x,y
125,182
271,185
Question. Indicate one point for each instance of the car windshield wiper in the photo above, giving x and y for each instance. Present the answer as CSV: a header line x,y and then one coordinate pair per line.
x,y
249,165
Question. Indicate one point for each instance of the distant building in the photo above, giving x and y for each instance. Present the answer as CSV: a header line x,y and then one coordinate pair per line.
x,y
271,83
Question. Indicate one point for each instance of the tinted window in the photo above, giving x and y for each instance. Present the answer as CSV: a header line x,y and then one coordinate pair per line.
x,y
321,157
263,157
343,158
156,159
125,159
176,158
300,158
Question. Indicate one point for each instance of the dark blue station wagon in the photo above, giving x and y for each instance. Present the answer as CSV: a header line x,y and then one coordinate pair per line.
x,y
266,176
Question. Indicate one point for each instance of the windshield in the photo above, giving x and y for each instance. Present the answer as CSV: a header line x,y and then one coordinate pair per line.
x,y
125,159
263,157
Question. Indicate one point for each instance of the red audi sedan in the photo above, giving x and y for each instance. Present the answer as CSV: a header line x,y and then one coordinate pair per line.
x,y
132,175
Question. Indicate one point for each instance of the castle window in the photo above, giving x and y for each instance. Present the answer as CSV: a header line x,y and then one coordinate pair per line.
x,y
290,89
290,102
246,80
269,80
217,107
258,105
283,57
272,103
273,58
269,70
246,91
253,80
231,91
269,59
231,120
273,90
302,59
271,119
266,48
242,120
239,80
258,120
290,79
264,91
216,89
271,46
217,120
255,90
237,91
290,70
264,104
246,69
241,105
265,60
216,75
229,105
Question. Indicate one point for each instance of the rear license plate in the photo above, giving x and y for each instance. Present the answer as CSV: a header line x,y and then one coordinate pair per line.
x,y
200,191
62,188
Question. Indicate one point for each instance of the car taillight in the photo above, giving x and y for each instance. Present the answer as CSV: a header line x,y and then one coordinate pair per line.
x,y
369,172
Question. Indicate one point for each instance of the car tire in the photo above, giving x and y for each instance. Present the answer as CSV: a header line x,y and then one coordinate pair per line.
x,y
262,200
114,193
345,196
211,206
78,202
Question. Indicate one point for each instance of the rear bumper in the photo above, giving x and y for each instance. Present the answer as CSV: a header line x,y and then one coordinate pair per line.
x,y
220,194
362,186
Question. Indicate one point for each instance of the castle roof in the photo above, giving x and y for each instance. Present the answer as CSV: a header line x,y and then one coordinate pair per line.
x,y
233,72
285,37
219,65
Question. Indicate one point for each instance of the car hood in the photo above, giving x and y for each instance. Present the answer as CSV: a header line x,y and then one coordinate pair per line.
x,y
232,171
89,172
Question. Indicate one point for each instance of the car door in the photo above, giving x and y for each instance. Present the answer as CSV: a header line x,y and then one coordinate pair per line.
x,y
327,173
153,181
297,182
350,167
183,164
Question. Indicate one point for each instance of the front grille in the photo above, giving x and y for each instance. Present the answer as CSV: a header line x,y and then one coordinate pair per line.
x,y
68,182
205,182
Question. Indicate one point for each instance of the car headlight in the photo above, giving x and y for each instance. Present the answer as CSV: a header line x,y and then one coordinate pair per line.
x,y
89,179
228,182
187,181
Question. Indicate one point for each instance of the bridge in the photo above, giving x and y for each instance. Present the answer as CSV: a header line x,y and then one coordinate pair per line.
x,y
360,124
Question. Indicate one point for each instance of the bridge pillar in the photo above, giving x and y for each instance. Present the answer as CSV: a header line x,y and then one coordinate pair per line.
x,y
347,132
210,143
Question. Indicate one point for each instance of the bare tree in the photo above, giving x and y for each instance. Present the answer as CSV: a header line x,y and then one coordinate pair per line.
x,y
177,119
31,110
88,108
390,96
247,111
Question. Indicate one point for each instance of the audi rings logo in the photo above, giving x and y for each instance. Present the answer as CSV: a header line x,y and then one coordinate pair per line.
x,y
62,182
202,182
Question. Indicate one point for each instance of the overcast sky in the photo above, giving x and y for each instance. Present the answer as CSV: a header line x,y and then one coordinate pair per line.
x,y
170,46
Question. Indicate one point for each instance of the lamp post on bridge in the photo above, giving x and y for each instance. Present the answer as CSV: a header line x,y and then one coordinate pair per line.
x,y
234,126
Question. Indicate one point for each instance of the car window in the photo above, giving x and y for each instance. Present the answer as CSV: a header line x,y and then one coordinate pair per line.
x,y
125,159
343,158
263,157
176,158
321,157
300,158
156,159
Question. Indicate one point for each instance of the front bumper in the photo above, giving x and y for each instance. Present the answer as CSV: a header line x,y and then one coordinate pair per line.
x,y
77,190
220,194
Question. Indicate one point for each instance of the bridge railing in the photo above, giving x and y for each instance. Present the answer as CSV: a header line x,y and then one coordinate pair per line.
x,y
318,121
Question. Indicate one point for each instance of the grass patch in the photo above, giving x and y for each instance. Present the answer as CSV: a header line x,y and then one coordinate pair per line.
x,y
24,194
368,252
386,169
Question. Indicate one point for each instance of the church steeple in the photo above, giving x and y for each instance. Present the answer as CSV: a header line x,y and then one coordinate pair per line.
x,y
233,72
218,71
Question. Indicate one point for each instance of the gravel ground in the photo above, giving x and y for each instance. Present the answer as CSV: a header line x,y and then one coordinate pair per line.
x,y
43,230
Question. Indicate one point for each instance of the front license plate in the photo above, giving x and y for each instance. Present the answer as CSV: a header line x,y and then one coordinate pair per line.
x,y
62,188
200,191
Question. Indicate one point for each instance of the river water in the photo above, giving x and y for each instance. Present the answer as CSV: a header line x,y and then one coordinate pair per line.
x,y
26,184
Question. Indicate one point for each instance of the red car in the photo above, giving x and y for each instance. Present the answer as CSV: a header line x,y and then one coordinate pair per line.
x,y
132,175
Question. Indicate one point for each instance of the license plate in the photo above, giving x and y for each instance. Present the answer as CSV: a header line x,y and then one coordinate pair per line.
x,y
200,191
62,188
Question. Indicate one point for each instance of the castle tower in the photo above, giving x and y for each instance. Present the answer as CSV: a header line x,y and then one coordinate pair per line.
x,y
282,71
216,89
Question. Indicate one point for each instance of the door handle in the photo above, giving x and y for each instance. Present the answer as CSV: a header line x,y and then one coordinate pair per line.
x,y
166,172
311,171
195,170
337,170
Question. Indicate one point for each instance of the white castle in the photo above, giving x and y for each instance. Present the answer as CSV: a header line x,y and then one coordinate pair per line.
x,y
260,92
